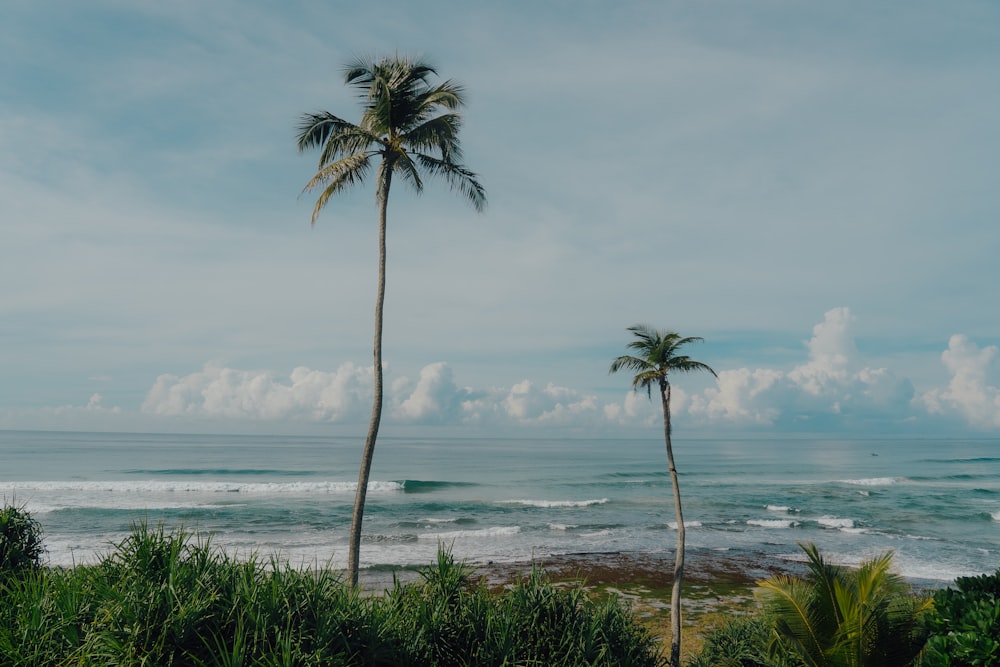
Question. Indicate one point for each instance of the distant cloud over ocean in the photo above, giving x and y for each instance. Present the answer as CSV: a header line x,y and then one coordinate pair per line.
x,y
831,386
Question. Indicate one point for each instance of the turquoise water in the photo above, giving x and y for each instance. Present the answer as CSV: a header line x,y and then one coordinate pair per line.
x,y
934,502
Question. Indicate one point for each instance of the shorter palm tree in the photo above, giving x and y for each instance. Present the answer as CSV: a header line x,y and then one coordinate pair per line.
x,y
839,617
657,356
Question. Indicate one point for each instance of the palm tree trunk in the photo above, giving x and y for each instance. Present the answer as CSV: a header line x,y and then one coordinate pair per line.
x,y
354,549
675,593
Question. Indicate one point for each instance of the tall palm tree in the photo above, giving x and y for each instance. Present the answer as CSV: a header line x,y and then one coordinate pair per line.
x,y
836,617
409,127
657,354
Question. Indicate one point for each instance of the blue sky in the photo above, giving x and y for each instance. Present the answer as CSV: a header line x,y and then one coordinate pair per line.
x,y
811,187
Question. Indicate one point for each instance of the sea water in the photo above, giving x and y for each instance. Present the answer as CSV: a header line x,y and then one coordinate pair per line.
x,y
934,502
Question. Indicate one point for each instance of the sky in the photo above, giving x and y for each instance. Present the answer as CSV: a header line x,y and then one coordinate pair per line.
x,y
809,187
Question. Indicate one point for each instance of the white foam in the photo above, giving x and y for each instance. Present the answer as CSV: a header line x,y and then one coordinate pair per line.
x,y
995,515
834,522
687,524
557,503
185,486
495,531
780,508
772,523
561,526
597,533
873,481
434,520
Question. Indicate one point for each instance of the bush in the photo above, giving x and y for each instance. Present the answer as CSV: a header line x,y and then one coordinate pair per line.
x,y
740,643
162,598
965,624
20,540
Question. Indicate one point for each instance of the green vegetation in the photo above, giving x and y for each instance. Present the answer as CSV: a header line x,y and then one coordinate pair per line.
x,y
841,617
20,540
161,598
742,642
658,356
411,128
965,624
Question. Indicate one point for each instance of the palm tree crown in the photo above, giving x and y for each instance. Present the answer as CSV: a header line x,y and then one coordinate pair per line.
x,y
408,122
657,357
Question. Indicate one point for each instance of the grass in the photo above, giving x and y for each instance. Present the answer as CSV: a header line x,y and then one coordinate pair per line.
x,y
159,598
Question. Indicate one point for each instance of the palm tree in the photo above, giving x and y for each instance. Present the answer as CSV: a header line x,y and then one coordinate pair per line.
x,y
657,355
836,617
409,127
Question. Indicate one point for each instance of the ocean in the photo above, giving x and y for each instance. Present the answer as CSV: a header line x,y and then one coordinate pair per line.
x,y
934,502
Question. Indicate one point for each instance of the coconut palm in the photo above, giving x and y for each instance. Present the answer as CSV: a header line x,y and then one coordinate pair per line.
x,y
657,354
838,617
409,127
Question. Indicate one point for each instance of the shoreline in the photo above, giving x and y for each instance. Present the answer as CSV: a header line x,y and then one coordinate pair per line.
x,y
651,570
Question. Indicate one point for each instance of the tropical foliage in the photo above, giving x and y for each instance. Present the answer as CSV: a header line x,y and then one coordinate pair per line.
x,y
409,127
657,354
20,540
160,598
743,642
965,624
840,617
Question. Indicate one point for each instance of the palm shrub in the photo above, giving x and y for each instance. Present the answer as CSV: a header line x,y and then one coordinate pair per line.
x,y
743,642
43,616
20,540
840,617
446,619
155,592
563,626
965,624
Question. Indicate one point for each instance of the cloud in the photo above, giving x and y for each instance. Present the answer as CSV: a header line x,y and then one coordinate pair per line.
x,y
831,386
94,415
344,396
968,393
831,389
215,392
436,399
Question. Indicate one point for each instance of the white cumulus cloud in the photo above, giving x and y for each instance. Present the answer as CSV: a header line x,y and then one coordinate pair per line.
x,y
436,399
216,392
832,388
831,384
968,394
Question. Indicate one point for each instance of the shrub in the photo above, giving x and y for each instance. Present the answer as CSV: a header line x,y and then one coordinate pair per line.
x,y
20,540
162,598
965,624
743,642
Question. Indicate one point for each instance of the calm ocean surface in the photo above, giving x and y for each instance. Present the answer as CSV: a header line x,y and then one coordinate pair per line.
x,y
934,502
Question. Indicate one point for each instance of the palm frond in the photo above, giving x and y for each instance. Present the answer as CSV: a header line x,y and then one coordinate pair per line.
x,y
866,616
336,177
789,600
406,168
402,121
458,177
439,133
315,129
629,362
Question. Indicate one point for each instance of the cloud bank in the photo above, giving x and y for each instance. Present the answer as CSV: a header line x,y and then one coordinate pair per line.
x,y
831,389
